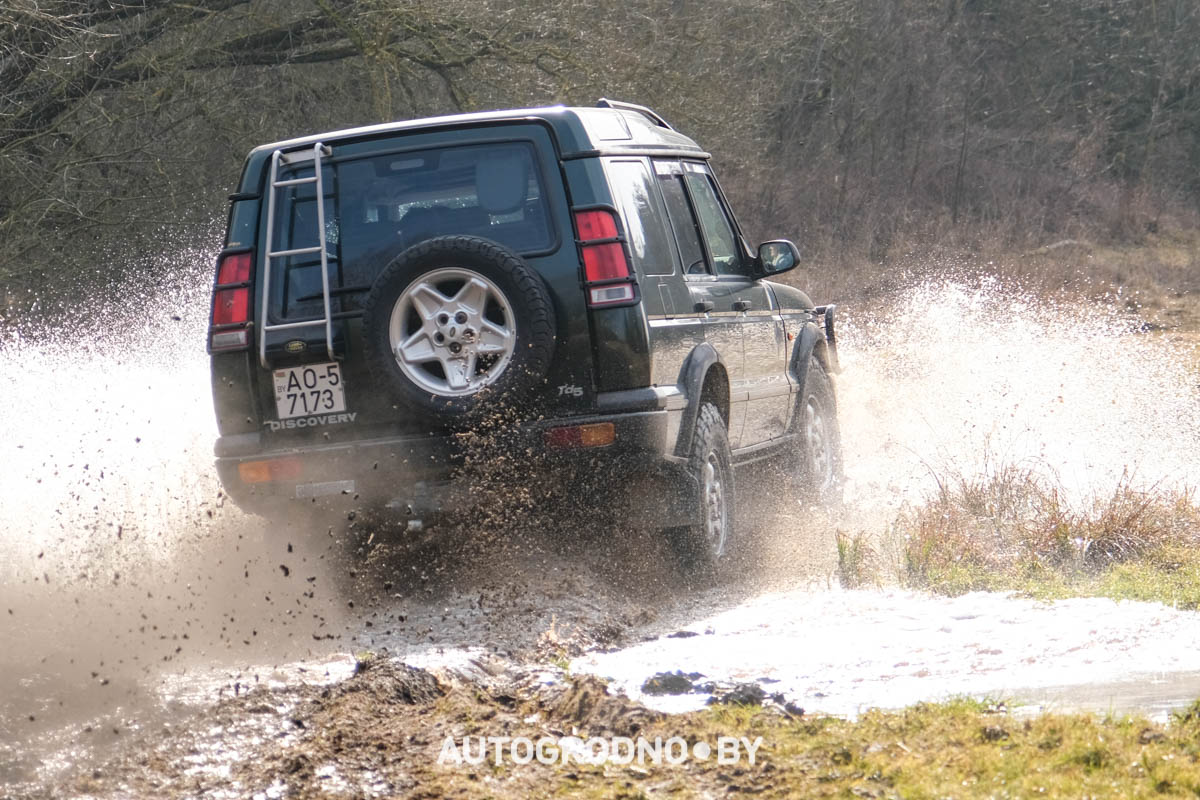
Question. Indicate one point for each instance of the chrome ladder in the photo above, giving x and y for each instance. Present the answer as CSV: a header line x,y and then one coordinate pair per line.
x,y
317,151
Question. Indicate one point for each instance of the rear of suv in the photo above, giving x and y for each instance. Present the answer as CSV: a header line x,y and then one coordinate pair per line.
x,y
563,288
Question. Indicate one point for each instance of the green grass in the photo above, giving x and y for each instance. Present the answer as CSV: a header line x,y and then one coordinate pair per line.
x,y
960,749
1012,531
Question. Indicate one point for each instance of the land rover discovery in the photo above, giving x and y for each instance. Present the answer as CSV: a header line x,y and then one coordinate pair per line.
x,y
570,282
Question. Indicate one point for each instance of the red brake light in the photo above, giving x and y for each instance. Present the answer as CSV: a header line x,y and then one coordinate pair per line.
x,y
604,262
235,268
231,306
606,267
231,303
595,224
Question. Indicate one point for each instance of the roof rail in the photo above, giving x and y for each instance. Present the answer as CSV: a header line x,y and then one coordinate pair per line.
x,y
604,102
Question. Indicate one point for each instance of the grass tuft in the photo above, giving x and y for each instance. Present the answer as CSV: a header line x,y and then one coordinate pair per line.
x,y
858,563
1013,530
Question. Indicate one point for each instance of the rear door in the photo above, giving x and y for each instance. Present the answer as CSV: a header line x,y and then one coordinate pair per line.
x,y
381,197
675,328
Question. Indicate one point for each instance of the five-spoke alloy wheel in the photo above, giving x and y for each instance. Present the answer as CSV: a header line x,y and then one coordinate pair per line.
x,y
453,332
458,326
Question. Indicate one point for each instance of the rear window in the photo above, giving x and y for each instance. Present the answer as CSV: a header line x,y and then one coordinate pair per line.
x,y
379,206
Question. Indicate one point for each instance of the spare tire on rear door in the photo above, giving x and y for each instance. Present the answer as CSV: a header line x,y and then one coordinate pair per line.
x,y
456,327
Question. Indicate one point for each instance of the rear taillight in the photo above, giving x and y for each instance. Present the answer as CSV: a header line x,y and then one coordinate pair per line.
x,y
231,303
235,268
606,272
231,306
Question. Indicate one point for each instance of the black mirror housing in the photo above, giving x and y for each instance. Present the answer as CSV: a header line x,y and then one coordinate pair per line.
x,y
777,256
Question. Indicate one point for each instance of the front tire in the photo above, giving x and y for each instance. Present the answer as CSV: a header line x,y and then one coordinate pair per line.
x,y
818,460
702,545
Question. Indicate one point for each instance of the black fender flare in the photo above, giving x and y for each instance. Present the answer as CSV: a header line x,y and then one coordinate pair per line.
x,y
809,342
691,382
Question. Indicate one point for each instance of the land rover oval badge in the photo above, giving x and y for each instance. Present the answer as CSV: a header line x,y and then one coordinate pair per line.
x,y
295,346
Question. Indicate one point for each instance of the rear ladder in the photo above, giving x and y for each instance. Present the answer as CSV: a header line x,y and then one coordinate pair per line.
x,y
277,158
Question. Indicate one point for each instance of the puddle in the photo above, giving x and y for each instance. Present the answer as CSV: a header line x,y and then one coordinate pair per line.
x,y
841,652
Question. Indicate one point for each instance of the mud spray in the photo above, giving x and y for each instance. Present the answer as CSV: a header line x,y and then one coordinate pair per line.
x,y
119,555
121,562
946,380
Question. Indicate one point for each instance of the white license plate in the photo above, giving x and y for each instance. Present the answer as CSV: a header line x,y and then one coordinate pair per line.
x,y
313,389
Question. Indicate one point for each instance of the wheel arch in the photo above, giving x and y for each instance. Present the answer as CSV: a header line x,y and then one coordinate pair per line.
x,y
702,380
809,343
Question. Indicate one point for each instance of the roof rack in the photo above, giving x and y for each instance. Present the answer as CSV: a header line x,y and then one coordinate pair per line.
x,y
604,102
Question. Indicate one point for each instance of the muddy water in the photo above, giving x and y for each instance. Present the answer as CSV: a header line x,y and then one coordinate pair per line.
x,y
131,593
119,558
842,652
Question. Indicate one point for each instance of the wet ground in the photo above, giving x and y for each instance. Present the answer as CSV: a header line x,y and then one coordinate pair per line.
x,y
157,641
842,652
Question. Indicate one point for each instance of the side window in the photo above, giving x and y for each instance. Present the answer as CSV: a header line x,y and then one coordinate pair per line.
x,y
718,233
683,224
633,189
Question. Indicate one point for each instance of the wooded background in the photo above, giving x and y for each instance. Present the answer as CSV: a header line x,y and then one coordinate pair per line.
x,y
863,129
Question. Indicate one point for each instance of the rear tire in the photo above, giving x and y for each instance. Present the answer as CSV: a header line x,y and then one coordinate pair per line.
x,y
702,545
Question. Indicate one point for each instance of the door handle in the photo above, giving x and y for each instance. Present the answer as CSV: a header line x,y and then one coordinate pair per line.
x,y
742,305
704,306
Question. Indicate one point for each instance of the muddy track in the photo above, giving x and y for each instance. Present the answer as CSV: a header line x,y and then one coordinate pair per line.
x,y
293,612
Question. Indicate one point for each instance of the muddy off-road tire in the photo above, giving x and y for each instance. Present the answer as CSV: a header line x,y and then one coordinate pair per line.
x,y
702,545
457,327
817,462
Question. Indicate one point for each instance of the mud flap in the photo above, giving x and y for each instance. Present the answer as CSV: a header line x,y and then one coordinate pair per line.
x,y
665,499
826,313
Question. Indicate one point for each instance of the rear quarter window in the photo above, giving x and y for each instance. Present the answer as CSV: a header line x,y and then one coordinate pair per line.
x,y
633,188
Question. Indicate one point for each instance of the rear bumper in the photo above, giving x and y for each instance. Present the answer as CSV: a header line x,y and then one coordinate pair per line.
x,y
422,476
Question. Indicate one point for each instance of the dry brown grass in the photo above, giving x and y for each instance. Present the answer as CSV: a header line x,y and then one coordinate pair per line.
x,y
1156,276
1014,530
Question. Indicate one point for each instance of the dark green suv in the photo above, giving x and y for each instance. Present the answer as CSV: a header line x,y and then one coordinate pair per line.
x,y
569,282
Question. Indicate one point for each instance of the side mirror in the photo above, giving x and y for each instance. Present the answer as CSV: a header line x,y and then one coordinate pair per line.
x,y
778,255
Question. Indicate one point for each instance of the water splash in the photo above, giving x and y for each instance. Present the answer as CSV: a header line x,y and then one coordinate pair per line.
x,y
119,555
952,378
114,424
948,379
